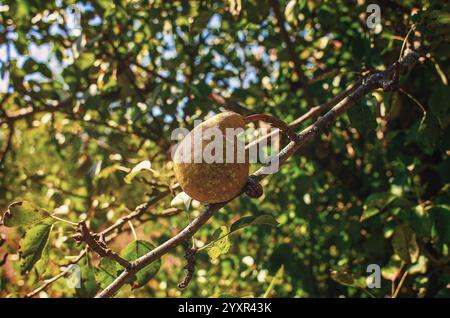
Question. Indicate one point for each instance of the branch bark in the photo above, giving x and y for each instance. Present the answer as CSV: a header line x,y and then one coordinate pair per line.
x,y
386,79
97,243
139,211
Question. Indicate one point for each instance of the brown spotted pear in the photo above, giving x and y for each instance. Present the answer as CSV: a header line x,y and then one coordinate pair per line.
x,y
211,164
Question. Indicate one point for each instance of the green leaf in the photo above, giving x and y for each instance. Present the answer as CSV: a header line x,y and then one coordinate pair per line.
x,y
106,272
85,60
253,220
428,133
379,200
375,203
221,244
32,245
143,165
135,250
41,265
362,118
439,104
343,278
24,213
110,170
88,285
368,213
441,217
277,279
404,243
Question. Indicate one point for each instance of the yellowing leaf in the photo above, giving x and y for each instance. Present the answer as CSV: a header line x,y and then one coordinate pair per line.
x,y
24,213
32,245
343,278
143,165
221,245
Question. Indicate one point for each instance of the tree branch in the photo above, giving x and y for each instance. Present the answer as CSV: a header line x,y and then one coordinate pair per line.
x,y
135,214
386,79
63,273
97,243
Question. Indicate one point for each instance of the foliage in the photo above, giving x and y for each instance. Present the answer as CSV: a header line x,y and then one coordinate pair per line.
x,y
86,108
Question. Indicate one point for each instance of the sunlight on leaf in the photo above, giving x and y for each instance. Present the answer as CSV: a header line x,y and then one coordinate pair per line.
x,y
181,201
32,245
404,243
24,213
143,165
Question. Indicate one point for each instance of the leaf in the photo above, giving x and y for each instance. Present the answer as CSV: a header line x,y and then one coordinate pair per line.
x,y
85,60
221,244
24,213
32,245
110,170
250,220
143,165
362,118
404,243
88,285
368,213
428,133
277,279
375,203
441,216
41,265
343,278
182,200
379,200
106,272
439,105
289,11
135,250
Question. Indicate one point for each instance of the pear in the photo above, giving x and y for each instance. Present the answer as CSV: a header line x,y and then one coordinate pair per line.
x,y
210,163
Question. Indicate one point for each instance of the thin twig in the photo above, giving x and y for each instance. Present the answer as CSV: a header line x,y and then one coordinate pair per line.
x,y
63,273
400,284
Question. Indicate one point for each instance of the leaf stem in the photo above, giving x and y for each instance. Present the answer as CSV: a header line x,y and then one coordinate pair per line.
x,y
400,284
63,220
133,230
402,50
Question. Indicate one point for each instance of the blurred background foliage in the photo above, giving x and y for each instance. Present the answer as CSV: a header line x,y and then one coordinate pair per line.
x,y
89,89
